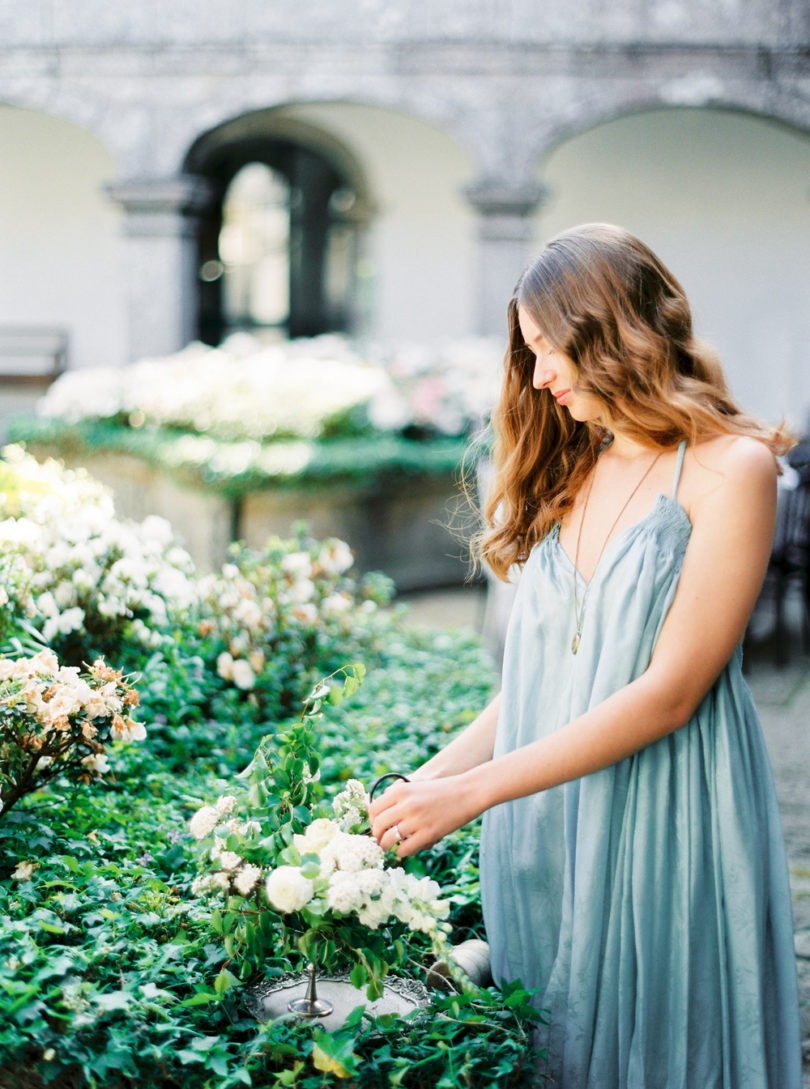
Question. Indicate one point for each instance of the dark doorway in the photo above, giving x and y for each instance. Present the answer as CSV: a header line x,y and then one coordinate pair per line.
x,y
278,243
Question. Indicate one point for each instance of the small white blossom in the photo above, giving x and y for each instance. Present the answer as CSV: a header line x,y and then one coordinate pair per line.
x,y
97,762
242,675
24,871
246,879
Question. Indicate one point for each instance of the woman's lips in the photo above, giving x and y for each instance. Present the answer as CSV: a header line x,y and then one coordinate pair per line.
x,y
561,396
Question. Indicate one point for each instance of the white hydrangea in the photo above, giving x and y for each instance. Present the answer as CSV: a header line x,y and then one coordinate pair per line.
x,y
351,853
343,894
204,822
228,860
246,879
226,804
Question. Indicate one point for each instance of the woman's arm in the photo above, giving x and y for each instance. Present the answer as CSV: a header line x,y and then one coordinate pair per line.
x,y
732,512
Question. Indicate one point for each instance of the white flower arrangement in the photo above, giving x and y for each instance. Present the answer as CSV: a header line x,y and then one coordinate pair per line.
x,y
330,867
247,390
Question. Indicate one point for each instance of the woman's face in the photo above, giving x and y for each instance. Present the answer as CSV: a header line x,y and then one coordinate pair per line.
x,y
556,372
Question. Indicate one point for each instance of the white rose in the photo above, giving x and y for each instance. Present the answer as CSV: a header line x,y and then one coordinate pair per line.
x,y
301,591
248,613
336,604
287,889
306,613
225,666
336,558
316,837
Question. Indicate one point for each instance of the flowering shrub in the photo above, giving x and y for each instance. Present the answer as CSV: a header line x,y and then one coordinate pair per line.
x,y
56,721
271,619
244,390
88,581
276,856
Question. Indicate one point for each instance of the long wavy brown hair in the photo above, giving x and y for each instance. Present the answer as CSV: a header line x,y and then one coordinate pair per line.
x,y
605,300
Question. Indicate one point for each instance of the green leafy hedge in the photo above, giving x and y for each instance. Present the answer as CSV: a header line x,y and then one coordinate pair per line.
x,y
237,468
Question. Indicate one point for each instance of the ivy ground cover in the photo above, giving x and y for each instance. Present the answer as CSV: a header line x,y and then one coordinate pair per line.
x,y
117,969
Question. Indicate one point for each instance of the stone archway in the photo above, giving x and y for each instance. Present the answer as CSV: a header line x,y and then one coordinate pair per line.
x,y
322,205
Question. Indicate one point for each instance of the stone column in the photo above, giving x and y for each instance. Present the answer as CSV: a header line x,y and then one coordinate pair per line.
x,y
504,238
160,260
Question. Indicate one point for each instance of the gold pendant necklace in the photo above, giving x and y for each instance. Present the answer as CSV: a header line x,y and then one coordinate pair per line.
x,y
579,607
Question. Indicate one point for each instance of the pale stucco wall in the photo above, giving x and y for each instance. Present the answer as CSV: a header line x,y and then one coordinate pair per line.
x,y
59,235
421,248
724,199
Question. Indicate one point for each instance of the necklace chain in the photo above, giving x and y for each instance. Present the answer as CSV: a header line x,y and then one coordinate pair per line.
x,y
579,607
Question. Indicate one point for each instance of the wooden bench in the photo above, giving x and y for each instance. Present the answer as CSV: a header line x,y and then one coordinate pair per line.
x,y
32,355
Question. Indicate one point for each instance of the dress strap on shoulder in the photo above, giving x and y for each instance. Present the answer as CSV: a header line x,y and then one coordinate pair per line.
x,y
678,468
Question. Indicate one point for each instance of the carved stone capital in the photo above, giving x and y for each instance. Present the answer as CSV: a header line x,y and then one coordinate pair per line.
x,y
161,206
496,198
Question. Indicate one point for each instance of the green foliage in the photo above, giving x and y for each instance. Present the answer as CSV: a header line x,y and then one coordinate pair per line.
x,y
370,463
109,964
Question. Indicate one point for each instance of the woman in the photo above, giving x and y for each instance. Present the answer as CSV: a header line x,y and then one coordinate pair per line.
x,y
632,863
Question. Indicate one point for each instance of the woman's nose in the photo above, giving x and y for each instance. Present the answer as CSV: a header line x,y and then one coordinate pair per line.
x,y
543,375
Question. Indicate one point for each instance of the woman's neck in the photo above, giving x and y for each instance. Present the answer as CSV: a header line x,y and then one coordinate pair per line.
x,y
627,448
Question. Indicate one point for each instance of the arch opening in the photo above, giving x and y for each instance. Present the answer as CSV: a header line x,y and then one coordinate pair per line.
x,y
279,238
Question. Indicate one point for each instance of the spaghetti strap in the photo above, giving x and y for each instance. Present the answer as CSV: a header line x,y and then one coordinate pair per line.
x,y
678,468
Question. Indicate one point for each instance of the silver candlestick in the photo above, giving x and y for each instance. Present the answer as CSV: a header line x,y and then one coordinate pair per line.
x,y
310,1005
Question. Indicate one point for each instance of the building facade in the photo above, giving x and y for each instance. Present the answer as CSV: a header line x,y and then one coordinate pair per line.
x,y
404,159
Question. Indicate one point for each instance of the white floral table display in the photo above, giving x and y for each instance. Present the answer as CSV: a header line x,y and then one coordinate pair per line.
x,y
246,389
298,882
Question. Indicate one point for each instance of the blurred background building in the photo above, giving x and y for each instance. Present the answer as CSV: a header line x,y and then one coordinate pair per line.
x,y
173,170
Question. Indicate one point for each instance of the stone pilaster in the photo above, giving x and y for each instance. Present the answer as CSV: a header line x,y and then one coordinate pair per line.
x,y
504,245
160,260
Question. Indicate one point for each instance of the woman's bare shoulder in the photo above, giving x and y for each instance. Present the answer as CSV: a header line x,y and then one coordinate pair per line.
x,y
738,463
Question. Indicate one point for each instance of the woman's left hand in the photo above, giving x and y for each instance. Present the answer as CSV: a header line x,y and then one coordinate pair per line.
x,y
419,813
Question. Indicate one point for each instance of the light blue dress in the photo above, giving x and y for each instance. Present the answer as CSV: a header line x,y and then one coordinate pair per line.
x,y
649,900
